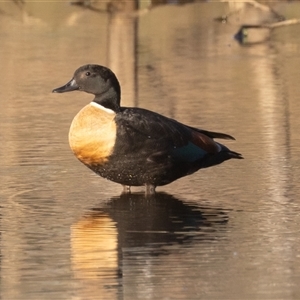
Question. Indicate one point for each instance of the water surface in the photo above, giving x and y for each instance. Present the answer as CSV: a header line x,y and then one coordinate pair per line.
x,y
228,232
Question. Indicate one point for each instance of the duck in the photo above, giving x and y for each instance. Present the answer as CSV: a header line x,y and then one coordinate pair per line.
x,y
133,146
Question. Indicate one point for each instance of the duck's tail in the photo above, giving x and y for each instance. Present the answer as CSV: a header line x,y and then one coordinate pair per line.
x,y
233,154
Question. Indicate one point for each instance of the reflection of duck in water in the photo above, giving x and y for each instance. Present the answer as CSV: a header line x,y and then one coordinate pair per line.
x,y
131,226
162,219
134,146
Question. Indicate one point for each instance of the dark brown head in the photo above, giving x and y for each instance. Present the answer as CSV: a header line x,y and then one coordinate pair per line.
x,y
97,80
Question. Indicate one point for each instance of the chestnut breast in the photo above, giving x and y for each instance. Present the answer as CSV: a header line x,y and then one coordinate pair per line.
x,y
92,134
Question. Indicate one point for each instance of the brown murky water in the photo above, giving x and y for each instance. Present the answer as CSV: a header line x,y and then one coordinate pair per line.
x,y
229,232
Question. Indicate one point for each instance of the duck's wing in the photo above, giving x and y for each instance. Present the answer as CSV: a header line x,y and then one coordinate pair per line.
x,y
213,135
163,136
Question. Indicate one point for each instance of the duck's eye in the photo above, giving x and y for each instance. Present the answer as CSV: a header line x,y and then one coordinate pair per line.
x,y
88,73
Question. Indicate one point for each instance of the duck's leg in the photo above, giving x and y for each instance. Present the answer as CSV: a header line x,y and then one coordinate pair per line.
x,y
150,189
126,189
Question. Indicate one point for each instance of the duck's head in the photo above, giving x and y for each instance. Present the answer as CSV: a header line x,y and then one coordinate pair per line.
x,y
97,80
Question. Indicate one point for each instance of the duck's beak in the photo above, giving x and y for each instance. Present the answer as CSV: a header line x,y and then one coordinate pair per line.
x,y
70,86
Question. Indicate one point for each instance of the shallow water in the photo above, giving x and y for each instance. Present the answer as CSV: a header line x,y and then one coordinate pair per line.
x,y
228,232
